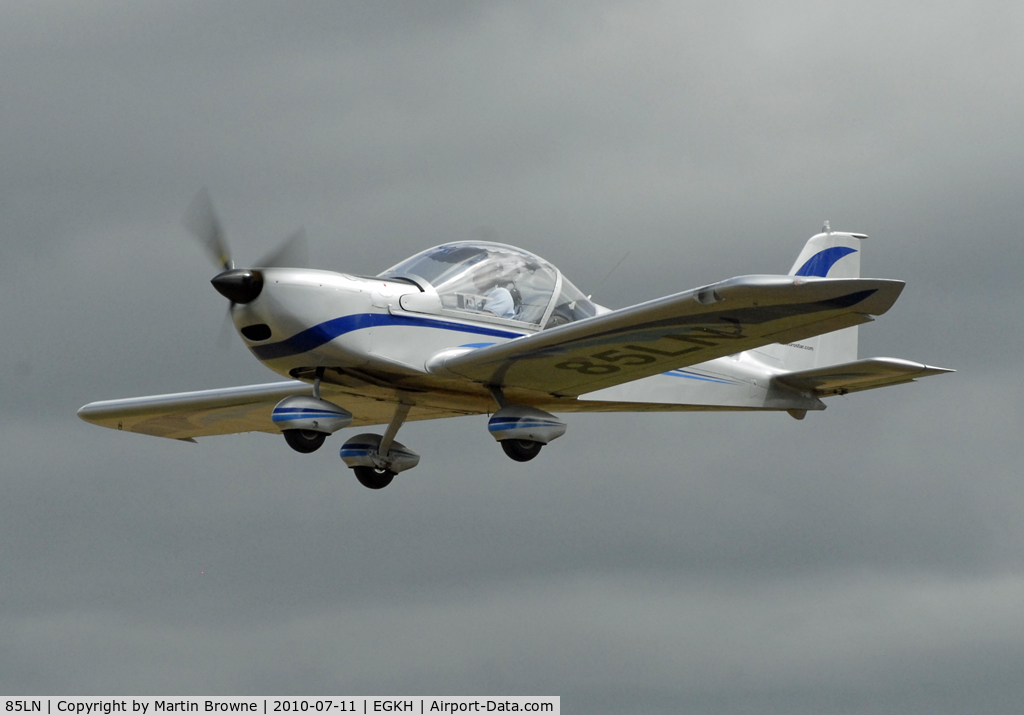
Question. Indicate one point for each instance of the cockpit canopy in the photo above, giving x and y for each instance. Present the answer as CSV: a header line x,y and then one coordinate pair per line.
x,y
496,280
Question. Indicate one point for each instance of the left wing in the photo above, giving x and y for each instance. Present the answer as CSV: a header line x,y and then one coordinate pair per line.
x,y
669,333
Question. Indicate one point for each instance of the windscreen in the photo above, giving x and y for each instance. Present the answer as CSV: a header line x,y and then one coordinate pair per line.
x,y
571,306
482,277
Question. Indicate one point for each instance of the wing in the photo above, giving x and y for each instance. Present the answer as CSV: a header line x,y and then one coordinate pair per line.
x,y
674,332
231,410
858,375
184,415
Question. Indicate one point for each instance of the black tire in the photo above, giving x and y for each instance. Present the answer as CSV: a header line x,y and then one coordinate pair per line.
x,y
304,440
521,450
373,478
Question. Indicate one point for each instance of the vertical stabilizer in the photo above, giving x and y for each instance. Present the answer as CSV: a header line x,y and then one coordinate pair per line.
x,y
829,254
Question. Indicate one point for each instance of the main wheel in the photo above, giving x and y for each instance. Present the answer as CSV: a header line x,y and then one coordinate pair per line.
x,y
304,440
373,478
521,450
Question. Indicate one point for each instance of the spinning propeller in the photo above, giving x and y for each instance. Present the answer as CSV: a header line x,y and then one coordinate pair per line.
x,y
239,285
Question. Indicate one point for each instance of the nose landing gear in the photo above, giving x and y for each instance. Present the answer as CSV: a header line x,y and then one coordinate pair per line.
x,y
373,478
376,459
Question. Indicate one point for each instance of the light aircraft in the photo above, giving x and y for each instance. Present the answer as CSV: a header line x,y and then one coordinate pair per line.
x,y
475,328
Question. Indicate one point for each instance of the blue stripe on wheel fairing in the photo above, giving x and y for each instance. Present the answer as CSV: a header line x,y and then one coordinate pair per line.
x,y
522,420
519,425
325,332
289,416
307,410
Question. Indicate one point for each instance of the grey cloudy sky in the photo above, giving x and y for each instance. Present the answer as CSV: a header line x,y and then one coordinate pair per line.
x,y
869,559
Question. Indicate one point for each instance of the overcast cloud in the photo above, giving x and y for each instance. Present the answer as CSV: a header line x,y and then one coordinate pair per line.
x,y
869,559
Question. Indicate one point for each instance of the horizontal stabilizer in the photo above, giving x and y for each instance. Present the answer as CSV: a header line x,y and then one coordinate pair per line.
x,y
856,376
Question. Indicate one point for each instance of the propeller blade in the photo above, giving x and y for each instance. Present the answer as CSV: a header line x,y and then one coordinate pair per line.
x,y
202,221
290,254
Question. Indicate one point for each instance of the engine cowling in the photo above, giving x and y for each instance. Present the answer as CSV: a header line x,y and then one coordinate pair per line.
x,y
303,412
525,423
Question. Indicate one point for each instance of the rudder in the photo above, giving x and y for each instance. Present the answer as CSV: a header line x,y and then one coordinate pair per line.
x,y
829,254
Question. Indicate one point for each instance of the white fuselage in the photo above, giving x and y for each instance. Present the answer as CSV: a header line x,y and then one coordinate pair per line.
x,y
388,331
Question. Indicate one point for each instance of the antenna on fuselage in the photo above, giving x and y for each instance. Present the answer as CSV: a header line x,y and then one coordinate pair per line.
x,y
606,275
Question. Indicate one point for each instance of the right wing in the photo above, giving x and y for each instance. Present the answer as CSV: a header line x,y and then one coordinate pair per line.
x,y
185,415
673,332
230,410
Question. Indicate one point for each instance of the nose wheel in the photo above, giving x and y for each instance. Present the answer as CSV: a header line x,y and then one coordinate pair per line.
x,y
373,478
376,459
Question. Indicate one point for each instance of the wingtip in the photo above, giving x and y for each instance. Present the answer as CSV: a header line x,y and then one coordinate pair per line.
x,y
85,413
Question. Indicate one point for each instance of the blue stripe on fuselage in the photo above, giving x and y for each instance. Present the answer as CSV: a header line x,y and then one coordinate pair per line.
x,y
325,332
692,376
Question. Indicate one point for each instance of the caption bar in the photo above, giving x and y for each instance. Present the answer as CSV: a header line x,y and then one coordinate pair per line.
x,y
274,706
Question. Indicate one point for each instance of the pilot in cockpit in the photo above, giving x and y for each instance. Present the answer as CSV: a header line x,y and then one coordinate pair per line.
x,y
496,289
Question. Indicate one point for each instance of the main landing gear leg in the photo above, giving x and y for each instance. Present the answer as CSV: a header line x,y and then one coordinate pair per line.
x,y
316,382
376,459
302,440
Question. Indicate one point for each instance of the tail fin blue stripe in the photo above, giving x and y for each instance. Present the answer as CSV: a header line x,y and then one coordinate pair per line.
x,y
821,262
